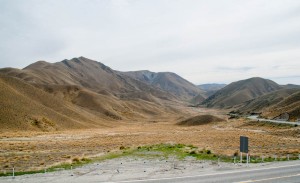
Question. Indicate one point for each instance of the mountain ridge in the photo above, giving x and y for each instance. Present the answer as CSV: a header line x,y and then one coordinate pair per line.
x,y
100,95
169,82
241,91
83,93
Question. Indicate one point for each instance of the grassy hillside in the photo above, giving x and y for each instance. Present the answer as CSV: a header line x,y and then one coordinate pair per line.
x,y
24,107
241,91
76,93
87,74
288,108
64,107
258,104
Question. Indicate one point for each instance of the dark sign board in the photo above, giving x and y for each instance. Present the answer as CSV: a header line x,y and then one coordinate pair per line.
x,y
244,144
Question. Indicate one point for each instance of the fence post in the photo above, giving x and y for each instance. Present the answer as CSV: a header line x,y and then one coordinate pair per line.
x,y
13,172
71,170
288,157
241,157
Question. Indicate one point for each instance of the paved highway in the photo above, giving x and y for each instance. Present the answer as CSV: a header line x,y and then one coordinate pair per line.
x,y
273,121
284,173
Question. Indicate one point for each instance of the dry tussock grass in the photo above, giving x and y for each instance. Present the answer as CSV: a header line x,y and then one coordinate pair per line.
x,y
46,149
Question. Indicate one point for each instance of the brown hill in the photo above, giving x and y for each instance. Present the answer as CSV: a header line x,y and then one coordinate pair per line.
x,y
88,74
241,91
200,120
258,104
288,108
62,107
76,93
169,82
198,99
24,107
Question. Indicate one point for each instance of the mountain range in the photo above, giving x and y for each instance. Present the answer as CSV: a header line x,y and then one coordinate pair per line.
x,y
80,93
211,88
282,104
259,96
241,91
169,82
83,93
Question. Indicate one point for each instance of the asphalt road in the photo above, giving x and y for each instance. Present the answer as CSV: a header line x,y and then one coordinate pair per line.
x,y
273,121
287,173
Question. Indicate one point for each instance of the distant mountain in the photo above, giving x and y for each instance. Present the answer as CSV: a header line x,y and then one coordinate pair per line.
x,y
290,86
241,91
211,88
169,82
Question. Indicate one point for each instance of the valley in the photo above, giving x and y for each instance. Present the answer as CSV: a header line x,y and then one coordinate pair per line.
x,y
149,91
79,109
37,150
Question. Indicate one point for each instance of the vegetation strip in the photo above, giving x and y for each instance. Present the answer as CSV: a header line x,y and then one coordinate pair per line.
x,y
179,151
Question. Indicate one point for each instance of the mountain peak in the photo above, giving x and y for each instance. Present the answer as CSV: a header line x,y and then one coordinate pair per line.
x,y
168,81
38,64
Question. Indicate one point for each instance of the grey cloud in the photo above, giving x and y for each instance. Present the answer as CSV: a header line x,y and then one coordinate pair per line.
x,y
241,69
184,36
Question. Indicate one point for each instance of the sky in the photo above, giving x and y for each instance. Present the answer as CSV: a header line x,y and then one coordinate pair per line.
x,y
215,41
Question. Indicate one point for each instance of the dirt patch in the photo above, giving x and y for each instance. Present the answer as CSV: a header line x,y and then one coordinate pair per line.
x,y
200,120
288,133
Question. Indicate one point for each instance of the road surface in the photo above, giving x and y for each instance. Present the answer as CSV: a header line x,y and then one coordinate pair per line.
x,y
271,120
287,173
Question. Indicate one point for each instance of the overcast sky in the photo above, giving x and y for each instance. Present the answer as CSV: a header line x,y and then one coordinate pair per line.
x,y
204,41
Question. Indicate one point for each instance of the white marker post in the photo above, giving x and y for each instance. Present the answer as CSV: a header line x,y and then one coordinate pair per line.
x,y
72,170
249,157
241,158
13,172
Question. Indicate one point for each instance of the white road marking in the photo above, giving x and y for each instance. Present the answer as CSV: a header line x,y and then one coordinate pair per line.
x,y
272,178
202,175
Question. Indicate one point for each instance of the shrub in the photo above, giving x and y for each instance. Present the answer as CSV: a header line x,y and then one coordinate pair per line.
x,y
193,152
235,153
76,159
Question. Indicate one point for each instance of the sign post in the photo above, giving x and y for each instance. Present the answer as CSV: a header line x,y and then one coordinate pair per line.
x,y
244,147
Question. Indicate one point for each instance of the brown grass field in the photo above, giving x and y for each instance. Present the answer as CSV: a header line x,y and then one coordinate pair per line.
x,y
35,150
